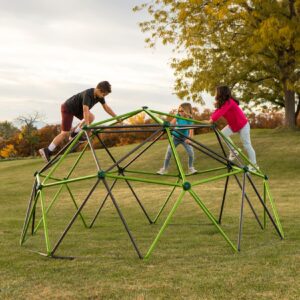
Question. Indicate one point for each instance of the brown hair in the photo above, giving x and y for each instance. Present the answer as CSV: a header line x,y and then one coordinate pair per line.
x,y
104,86
223,94
187,107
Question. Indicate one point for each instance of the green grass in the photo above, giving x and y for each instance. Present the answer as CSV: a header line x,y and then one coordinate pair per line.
x,y
191,260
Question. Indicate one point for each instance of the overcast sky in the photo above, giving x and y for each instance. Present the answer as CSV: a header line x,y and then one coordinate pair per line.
x,y
53,49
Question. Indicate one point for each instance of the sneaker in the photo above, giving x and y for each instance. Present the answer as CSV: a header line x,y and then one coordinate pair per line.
x,y
253,169
162,171
192,170
233,155
45,154
73,134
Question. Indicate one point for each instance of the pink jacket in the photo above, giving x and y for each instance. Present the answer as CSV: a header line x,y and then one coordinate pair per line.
x,y
233,115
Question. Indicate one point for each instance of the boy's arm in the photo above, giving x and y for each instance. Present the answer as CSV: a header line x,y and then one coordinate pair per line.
x,y
86,113
108,110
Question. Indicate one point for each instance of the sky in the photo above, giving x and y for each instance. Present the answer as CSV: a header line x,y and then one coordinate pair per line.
x,y
53,49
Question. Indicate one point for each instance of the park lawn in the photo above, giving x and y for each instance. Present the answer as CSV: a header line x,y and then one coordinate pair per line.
x,y
191,260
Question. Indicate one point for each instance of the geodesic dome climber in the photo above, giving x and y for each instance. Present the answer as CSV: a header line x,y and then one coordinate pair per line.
x,y
74,180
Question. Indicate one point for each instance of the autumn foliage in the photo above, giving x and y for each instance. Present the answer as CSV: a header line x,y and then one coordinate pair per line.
x,y
26,141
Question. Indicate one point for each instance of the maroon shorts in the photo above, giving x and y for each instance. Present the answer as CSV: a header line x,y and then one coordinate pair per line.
x,y
66,118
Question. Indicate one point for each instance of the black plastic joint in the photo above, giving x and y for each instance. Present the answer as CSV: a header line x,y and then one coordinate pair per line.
x,y
35,173
101,174
39,187
266,177
144,107
121,170
246,169
186,186
166,124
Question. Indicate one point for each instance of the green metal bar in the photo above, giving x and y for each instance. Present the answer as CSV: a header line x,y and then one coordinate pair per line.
x,y
48,208
274,208
45,225
265,201
217,177
212,218
30,217
253,173
59,191
76,206
240,153
140,180
178,201
165,203
210,170
51,177
148,173
64,155
179,117
155,118
70,180
127,115
77,160
177,160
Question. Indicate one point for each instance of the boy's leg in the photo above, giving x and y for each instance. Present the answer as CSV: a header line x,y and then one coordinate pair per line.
x,y
66,124
246,140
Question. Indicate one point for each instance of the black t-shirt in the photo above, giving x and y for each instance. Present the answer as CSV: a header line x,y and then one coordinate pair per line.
x,y
74,104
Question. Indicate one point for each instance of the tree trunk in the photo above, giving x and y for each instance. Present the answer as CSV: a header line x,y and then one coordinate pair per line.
x,y
289,99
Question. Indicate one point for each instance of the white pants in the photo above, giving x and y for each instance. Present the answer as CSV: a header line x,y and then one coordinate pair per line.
x,y
245,139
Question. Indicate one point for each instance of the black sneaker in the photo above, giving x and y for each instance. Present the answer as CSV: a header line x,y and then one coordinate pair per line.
x,y
45,154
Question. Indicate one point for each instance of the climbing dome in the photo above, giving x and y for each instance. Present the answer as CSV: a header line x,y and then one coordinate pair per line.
x,y
68,183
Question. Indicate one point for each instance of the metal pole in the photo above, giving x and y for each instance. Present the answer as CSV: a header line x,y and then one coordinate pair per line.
x,y
165,203
241,214
101,206
248,200
223,200
178,201
280,233
122,219
74,217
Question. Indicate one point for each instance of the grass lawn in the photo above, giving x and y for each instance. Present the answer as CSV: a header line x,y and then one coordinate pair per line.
x,y
191,260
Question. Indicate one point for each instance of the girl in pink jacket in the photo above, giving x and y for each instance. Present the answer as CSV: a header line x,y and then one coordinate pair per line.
x,y
228,108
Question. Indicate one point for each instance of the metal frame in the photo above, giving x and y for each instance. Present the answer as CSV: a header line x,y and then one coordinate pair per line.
x,y
45,179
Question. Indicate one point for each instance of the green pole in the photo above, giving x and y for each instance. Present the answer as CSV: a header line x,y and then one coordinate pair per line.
x,y
63,156
228,142
125,116
178,201
177,160
45,225
76,206
30,217
140,179
274,209
217,177
148,173
179,117
265,201
212,218
48,208
70,180
165,203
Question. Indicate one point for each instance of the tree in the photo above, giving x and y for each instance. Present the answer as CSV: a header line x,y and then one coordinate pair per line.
x,y
28,137
8,151
251,45
7,130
